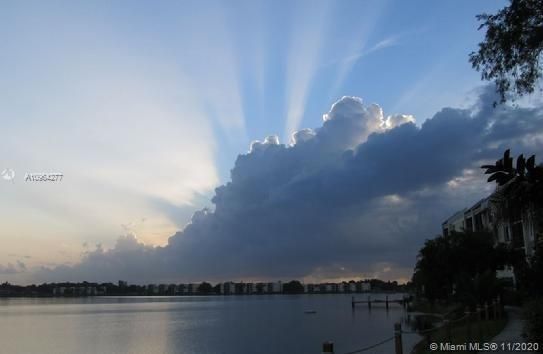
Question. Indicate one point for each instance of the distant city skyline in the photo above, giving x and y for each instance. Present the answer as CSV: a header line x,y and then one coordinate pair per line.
x,y
122,287
213,141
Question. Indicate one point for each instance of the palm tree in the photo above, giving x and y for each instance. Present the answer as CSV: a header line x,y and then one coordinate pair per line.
x,y
519,192
519,186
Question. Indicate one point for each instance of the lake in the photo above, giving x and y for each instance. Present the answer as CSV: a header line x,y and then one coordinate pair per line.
x,y
196,324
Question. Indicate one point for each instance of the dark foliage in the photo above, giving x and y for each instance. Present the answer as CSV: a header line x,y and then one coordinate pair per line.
x,y
460,266
510,54
525,170
293,287
534,322
519,186
205,288
529,273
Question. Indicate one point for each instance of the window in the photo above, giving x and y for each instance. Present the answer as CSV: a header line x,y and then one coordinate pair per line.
x,y
469,224
479,222
518,235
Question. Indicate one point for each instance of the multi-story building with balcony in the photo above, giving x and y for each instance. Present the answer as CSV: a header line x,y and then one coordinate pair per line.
x,y
517,231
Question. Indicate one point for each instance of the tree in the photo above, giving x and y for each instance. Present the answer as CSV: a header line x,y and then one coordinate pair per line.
x,y
520,184
205,288
520,188
510,54
433,272
293,287
533,328
460,266
503,170
535,273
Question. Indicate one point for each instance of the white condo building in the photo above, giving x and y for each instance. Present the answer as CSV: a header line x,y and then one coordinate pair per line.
x,y
519,232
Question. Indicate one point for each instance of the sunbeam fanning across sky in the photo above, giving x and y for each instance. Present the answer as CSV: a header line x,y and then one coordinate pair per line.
x,y
304,52
247,128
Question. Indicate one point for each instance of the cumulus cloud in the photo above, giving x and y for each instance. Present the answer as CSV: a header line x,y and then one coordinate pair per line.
x,y
260,145
303,135
11,268
357,195
398,119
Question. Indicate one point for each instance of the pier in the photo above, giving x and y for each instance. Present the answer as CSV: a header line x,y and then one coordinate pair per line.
x,y
370,302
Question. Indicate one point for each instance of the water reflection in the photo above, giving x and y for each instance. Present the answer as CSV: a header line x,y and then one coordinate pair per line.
x,y
236,324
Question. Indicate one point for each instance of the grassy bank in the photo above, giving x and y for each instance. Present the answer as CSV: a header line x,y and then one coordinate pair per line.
x,y
436,308
464,330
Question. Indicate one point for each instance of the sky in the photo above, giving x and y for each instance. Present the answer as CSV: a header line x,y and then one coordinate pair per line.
x,y
212,140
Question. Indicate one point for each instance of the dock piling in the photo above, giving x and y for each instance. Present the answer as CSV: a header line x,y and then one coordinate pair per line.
x,y
398,338
328,348
495,305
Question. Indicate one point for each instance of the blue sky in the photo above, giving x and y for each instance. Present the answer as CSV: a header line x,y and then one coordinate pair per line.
x,y
264,58
144,106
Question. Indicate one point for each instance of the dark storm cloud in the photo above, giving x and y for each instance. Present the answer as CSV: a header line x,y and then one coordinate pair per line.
x,y
358,194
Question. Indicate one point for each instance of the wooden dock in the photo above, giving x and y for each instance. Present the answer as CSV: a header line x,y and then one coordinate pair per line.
x,y
403,302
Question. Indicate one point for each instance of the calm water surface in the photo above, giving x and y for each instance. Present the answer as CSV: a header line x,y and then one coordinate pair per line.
x,y
197,324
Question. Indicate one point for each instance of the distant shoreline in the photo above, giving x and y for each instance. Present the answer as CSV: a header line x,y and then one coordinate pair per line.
x,y
122,288
196,294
